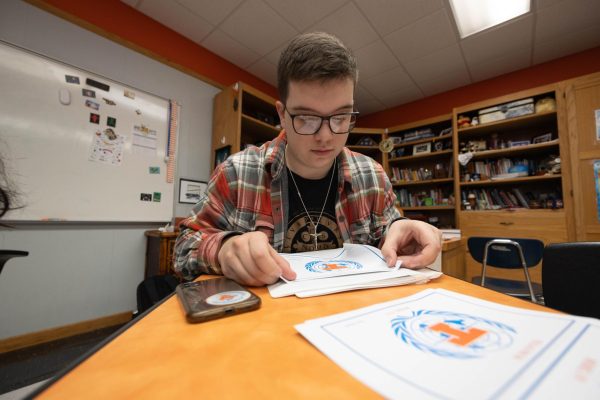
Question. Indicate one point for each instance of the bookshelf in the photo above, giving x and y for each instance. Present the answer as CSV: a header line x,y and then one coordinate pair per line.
x,y
242,116
420,167
513,176
366,141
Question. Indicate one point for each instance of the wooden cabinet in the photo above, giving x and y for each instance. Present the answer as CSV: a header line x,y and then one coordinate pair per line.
x,y
509,183
242,116
159,252
453,258
546,225
420,166
583,105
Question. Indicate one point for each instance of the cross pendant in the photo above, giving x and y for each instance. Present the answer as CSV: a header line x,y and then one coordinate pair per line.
x,y
315,236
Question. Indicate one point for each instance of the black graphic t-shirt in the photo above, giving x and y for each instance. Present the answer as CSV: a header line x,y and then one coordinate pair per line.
x,y
300,231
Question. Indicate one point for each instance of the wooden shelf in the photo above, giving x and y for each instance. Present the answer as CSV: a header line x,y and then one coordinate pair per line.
x,y
420,156
525,179
260,124
238,119
435,188
523,122
513,151
366,131
427,182
372,151
432,139
362,148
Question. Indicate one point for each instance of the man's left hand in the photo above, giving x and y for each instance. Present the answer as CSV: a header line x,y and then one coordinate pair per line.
x,y
416,243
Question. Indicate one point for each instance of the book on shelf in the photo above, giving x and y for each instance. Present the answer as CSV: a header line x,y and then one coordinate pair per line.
x,y
522,200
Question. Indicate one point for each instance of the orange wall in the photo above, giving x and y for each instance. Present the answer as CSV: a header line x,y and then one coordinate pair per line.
x,y
121,23
560,69
117,21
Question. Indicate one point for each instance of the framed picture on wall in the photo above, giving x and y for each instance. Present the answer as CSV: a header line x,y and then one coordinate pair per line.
x,y
190,191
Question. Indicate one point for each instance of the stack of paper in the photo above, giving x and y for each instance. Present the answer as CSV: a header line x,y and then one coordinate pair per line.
x,y
355,266
450,234
438,344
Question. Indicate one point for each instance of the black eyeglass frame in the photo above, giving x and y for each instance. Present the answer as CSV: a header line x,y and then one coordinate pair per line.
x,y
327,117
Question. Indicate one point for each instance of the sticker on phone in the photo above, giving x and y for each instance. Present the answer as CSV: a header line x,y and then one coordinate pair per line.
x,y
231,297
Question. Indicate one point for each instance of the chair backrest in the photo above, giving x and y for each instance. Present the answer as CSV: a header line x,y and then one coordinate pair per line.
x,y
571,277
506,256
153,289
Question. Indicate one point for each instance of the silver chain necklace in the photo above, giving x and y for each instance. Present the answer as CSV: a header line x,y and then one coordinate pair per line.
x,y
315,226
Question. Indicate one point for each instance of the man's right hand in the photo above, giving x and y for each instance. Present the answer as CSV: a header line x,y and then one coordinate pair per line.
x,y
249,259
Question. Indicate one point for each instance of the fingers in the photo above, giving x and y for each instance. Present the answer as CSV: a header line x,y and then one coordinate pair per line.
x,y
415,243
249,259
390,254
286,271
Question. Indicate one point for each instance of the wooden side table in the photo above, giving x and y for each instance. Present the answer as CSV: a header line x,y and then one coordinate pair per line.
x,y
159,252
453,257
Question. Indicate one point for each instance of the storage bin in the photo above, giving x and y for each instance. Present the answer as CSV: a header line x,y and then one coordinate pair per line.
x,y
507,110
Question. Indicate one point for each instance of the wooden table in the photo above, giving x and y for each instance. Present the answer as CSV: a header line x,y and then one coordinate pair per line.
x,y
254,355
453,257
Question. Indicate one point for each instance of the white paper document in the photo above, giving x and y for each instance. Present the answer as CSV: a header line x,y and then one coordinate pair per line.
x,y
438,344
355,266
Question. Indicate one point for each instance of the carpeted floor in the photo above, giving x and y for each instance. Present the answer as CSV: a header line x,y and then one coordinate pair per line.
x,y
23,367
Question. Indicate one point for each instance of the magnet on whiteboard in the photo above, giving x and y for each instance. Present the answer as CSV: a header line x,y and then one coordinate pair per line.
x,y
64,96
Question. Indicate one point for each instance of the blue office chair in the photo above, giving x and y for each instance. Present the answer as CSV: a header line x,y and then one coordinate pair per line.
x,y
508,253
6,255
571,277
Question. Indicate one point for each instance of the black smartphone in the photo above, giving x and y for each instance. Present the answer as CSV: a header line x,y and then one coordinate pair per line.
x,y
215,298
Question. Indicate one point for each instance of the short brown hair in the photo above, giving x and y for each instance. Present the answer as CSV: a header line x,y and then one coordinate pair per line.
x,y
316,56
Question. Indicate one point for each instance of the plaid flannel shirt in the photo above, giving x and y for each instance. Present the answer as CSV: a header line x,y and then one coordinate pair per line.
x,y
248,192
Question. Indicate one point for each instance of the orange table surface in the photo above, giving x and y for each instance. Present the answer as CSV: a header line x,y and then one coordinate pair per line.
x,y
253,355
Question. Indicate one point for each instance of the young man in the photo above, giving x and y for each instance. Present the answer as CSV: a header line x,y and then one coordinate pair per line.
x,y
304,190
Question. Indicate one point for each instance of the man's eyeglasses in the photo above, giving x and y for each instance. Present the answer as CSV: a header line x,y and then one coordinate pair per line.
x,y
339,124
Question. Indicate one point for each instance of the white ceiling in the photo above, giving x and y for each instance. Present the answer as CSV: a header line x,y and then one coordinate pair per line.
x,y
406,49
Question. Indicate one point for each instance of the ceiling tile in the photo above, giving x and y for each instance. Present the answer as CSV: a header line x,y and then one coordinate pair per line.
x,y
496,42
361,94
220,43
368,107
503,64
273,57
397,97
213,11
374,59
444,62
380,85
564,17
420,38
265,71
255,25
387,16
177,18
349,25
302,14
563,45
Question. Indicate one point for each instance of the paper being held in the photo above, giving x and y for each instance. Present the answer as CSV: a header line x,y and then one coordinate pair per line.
x,y
352,259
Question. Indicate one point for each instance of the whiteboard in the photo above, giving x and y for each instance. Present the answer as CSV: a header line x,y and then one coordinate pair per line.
x,y
81,147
